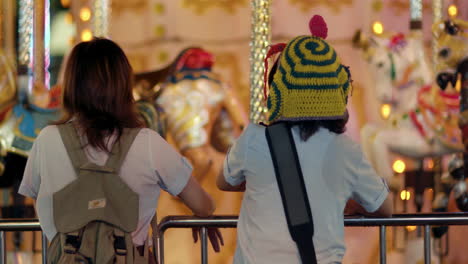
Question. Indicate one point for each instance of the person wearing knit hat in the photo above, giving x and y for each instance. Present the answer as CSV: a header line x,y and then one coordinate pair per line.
x,y
307,88
311,83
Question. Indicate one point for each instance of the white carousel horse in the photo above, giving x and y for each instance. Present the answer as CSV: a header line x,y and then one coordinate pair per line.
x,y
194,98
399,67
424,118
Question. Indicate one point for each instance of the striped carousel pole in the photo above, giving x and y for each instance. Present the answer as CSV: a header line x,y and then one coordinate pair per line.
x,y
416,14
93,18
101,18
260,39
8,35
38,40
437,6
25,40
34,40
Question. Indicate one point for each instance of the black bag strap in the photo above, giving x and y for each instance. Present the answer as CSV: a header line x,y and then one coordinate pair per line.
x,y
292,189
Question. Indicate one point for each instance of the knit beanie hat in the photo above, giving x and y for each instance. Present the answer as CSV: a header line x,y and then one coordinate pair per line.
x,y
310,82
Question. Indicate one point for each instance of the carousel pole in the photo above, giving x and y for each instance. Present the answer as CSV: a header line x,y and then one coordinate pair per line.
x,y
416,28
25,36
38,41
436,16
101,17
8,23
259,41
416,15
2,25
437,6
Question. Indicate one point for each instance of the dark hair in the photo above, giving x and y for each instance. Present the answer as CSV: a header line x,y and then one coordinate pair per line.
x,y
97,92
308,128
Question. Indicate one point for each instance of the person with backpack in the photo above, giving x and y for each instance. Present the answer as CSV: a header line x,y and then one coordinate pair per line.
x,y
299,171
96,175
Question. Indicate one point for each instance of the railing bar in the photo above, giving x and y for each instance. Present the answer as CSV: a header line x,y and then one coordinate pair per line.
x,y
184,223
44,248
3,252
427,244
161,246
204,245
383,245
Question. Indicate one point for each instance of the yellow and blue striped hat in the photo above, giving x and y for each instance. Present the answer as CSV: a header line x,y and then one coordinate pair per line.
x,y
310,82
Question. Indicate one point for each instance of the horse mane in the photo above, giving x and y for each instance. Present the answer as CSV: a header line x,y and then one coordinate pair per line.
x,y
158,76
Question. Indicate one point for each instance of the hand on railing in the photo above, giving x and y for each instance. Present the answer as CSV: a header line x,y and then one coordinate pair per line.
x,y
213,234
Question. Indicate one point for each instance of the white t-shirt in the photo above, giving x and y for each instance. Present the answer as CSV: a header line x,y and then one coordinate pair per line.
x,y
151,164
334,170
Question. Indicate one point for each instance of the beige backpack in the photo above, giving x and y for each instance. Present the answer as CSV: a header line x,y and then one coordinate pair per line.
x,y
95,214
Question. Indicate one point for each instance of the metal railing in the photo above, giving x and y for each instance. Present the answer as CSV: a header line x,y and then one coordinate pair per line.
x,y
425,220
230,221
20,225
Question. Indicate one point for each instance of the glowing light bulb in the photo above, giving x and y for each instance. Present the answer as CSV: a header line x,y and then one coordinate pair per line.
x,y
405,195
85,14
430,164
377,27
65,3
399,166
385,110
68,18
86,35
452,10
411,228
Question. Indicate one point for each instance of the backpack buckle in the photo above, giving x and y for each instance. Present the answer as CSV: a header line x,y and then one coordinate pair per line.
x,y
120,246
72,243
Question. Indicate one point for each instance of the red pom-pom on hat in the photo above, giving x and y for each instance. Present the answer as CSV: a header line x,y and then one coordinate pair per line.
x,y
318,27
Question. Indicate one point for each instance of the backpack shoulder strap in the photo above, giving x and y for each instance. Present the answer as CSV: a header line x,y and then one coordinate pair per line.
x,y
121,147
72,143
292,189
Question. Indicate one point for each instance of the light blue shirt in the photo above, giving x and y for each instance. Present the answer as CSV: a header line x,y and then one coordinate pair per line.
x,y
334,170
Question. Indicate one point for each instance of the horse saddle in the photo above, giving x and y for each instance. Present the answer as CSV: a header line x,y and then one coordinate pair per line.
x,y
30,121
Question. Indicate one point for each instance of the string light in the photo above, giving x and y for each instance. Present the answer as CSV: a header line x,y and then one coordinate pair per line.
x,y
452,10
399,166
385,110
85,14
86,35
405,195
378,28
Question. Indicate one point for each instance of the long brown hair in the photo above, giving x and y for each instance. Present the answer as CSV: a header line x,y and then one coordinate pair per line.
x,y
97,94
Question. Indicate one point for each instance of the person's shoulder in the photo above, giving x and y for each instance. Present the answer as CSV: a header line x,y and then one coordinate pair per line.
x,y
48,132
345,146
149,133
149,136
255,128
253,131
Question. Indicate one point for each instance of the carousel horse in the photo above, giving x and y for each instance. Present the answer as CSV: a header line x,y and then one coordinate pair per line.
x,y
203,118
452,43
21,119
424,119
196,103
22,114
399,66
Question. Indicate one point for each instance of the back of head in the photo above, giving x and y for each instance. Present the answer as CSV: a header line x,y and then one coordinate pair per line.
x,y
98,90
308,83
